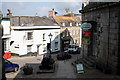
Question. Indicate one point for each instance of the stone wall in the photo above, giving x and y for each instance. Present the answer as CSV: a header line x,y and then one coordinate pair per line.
x,y
107,42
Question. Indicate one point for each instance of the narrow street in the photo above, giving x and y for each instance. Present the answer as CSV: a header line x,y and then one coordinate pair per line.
x,y
63,69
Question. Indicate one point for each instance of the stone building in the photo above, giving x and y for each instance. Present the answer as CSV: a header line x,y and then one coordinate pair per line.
x,y
105,37
0,46
2,63
70,31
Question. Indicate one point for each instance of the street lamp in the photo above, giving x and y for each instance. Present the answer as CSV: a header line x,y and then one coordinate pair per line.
x,y
50,36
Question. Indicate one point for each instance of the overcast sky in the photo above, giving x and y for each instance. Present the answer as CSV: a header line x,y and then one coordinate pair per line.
x,y
42,8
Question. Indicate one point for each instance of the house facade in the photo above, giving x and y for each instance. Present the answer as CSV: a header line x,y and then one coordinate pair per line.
x,y
1,50
6,33
30,34
105,37
70,31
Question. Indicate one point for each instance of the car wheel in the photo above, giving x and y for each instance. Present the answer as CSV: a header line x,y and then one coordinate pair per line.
x,y
15,69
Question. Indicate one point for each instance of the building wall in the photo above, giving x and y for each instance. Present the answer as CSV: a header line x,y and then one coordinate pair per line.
x,y
6,33
20,40
1,50
107,41
74,33
6,26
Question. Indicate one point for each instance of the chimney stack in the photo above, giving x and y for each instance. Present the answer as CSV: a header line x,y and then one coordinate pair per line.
x,y
66,11
9,14
36,14
1,15
52,13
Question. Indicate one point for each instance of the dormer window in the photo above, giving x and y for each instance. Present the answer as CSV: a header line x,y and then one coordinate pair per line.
x,y
63,24
70,24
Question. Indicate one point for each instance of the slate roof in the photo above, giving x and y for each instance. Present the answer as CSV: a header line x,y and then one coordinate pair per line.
x,y
32,21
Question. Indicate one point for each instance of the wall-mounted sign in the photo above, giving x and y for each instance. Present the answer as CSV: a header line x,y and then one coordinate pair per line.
x,y
86,37
86,26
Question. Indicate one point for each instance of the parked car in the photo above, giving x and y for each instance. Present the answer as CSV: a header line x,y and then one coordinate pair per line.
x,y
73,49
10,67
63,56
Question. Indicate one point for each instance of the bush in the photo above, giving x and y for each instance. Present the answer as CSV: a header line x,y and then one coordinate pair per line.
x,y
27,69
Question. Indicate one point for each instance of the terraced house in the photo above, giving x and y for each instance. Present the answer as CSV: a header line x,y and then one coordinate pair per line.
x,y
70,31
31,34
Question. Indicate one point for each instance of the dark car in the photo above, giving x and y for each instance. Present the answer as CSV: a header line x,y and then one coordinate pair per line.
x,y
63,56
10,67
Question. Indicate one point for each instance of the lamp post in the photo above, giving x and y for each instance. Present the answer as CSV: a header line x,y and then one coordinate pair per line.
x,y
50,36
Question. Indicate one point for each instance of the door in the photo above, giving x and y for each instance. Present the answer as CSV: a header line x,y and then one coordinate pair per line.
x,y
38,49
48,46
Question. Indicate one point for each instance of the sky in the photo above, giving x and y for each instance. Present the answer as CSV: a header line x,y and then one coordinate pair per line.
x,y
42,8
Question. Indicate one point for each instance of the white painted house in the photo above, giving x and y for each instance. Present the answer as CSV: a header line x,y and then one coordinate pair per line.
x,y
30,34
6,33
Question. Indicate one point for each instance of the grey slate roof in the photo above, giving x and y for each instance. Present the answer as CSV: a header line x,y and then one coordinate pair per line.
x,y
32,21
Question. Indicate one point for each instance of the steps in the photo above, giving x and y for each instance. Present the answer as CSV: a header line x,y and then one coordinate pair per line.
x,y
88,62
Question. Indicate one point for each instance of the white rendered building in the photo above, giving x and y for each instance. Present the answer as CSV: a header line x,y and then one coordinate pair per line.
x,y
6,33
34,38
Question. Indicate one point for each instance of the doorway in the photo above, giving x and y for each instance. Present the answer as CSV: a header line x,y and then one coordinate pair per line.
x,y
38,49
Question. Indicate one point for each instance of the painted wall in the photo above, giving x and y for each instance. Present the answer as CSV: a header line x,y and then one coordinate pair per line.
x,y
6,26
1,50
6,33
21,42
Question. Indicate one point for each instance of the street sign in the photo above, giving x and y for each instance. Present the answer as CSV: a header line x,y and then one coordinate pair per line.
x,y
86,26
80,68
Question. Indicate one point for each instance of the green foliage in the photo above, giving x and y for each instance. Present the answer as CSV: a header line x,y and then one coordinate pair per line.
x,y
14,54
27,69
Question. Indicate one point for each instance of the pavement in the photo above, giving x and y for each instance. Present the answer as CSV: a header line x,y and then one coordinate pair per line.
x,y
63,70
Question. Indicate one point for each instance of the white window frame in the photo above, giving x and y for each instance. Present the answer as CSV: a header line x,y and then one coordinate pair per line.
x,y
63,24
44,48
56,47
56,35
70,24
44,37
30,48
67,33
27,35
77,31
73,32
77,24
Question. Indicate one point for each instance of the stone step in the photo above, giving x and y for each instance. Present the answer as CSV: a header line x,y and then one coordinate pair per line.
x,y
92,59
88,63
84,65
